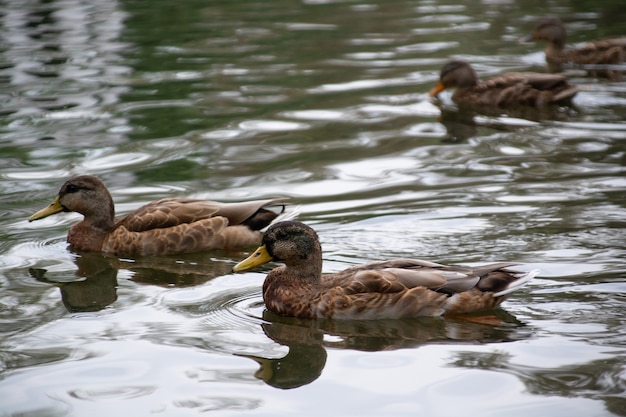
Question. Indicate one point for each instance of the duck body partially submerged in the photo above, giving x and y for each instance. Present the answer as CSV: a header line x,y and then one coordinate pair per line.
x,y
393,289
165,227
601,58
511,89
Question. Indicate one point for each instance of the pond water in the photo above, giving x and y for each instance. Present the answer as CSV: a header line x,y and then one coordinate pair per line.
x,y
324,102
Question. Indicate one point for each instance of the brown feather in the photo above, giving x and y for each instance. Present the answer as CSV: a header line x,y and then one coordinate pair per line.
x,y
399,288
163,227
606,52
507,90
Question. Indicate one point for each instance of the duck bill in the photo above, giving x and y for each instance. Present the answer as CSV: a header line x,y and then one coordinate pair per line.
x,y
438,89
259,257
53,208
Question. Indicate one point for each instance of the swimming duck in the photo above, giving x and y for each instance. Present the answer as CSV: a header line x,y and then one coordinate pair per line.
x,y
164,227
605,52
398,288
507,90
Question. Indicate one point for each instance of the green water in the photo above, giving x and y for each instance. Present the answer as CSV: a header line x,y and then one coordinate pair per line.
x,y
324,102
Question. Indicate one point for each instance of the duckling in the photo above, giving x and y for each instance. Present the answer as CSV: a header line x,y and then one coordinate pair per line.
x,y
507,90
393,289
165,227
607,52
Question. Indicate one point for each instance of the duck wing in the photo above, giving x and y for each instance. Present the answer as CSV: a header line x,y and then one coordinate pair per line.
x,y
402,274
419,289
606,51
539,81
183,225
532,89
170,212
200,235
534,80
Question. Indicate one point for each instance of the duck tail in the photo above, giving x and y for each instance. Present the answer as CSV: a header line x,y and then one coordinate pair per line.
x,y
566,94
518,283
287,213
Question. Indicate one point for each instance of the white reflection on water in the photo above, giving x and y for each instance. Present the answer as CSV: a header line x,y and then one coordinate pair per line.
x,y
114,161
271,125
358,85
324,102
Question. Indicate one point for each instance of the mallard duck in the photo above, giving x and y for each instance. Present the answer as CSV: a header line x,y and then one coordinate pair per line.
x,y
605,52
164,227
507,90
398,288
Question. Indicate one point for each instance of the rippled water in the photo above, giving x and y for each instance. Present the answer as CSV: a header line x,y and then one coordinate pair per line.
x,y
324,102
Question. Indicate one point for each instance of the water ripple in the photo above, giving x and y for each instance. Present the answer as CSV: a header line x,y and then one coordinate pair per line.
x,y
118,392
221,308
325,102
51,252
271,125
466,27
116,160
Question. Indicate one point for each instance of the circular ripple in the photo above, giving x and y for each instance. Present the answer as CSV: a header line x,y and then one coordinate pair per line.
x,y
113,392
223,309
35,253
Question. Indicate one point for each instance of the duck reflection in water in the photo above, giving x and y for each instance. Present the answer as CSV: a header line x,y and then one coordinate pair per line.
x,y
95,289
181,271
463,123
308,340
93,285
460,125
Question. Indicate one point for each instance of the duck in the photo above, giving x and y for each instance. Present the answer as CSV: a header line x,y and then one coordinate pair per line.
x,y
391,289
169,226
510,89
606,52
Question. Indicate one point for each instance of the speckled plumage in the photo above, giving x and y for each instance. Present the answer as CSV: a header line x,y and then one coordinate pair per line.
x,y
399,288
164,227
510,89
591,55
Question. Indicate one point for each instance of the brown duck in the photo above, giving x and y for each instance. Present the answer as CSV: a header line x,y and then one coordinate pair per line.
x,y
607,52
164,227
507,90
399,288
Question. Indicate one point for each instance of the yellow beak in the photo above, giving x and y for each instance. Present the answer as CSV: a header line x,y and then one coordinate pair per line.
x,y
53,208
259,257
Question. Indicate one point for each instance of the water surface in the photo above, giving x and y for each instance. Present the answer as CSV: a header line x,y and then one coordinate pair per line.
x,y
324,102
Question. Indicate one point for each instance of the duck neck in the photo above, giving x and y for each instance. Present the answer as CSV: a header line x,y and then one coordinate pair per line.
x,y
102,217
555,49
555,57
308,272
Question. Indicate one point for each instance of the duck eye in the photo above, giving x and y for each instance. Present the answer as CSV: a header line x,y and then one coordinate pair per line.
x,y
71,188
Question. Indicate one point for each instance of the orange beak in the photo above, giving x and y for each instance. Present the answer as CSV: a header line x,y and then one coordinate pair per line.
x,y
437,89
